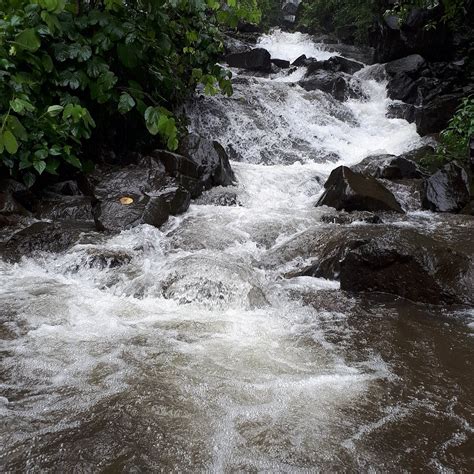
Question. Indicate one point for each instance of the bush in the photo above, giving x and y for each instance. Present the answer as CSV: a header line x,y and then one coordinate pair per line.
x,y
74,71
455,139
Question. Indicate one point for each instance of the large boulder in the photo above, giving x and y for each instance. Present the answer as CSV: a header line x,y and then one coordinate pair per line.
x,y
422,32
447,190
257,59
334,64
434,116
281,63
406,263
340,85
351,191
389,167
45,237
202,164
410,65
136,194
435,267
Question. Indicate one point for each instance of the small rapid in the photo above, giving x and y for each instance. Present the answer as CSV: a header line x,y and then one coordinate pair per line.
x,y
185,348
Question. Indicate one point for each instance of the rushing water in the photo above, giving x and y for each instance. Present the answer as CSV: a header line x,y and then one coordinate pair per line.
x,y
197,355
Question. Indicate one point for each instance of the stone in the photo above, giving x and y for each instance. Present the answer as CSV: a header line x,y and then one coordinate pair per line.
x,y
300,61
351,191
434,116
43,236
408,264
137,194
281,63
447,190
402,87
389,167
410,65
346,218
401,110
340,85
257,59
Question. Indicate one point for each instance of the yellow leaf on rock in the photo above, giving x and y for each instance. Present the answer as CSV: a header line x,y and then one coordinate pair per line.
x,y
126,200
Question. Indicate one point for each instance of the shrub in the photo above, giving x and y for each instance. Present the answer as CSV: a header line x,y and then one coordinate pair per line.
x,y
75,70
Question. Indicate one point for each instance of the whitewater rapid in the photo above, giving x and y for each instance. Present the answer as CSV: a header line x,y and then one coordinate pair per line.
x,y
195,355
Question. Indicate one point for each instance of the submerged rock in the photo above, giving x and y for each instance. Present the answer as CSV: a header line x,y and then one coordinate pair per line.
x,y
334,64
345,218
45,237
257,59
408,264
340,85
447,190
351,191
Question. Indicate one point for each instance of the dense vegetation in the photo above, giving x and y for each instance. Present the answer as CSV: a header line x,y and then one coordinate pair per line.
x,y
359,15
76,72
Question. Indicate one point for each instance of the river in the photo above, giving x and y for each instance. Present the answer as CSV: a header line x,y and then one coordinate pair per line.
x,y
197,355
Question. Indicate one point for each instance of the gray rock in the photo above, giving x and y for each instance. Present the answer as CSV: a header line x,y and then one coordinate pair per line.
x,y
257,59
447,190
352,191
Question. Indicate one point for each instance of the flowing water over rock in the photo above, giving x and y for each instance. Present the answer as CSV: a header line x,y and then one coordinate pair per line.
x,y
185,348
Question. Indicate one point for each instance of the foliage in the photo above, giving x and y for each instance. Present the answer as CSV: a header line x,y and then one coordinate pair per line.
x,y
454,140
71,70
331,15
270,12
454,10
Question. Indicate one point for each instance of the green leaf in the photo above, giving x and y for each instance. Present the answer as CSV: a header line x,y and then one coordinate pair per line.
x,y
17,128
10,143
128,55
21,105
29,40
29,179
126,103
47,63
39,166
52,165
54,110
74,161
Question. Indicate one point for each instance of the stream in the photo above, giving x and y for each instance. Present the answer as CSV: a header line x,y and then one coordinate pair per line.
x,y
196,354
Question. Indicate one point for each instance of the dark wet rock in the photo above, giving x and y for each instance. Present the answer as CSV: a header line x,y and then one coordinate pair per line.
x,y
389,167
203,164
345,218
257,59
65,207
393,40
65,188
137,194
402,87
290,7
401,111
410,65
340,85
436,267
408,264
434,116
352,191
219,197
9,205
281,63
300,60
44,237
468,209
235,45
246,27
106,258
447,190
334,64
